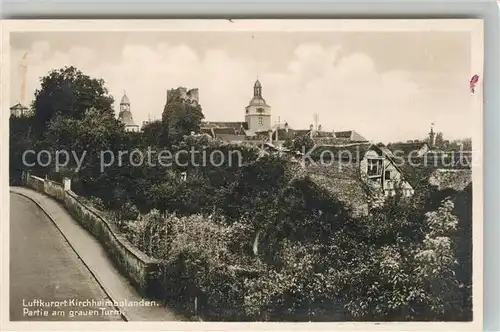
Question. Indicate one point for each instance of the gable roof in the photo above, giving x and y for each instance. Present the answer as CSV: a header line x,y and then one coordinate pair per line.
x,y
223,131
342,182
230,137
341,152
222,124
350,135
18,106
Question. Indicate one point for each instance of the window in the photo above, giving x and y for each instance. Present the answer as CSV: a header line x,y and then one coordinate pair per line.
x,y
374,167
387,175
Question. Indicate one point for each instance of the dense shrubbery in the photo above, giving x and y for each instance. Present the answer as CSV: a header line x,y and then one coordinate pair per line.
x,y
255,239
410,277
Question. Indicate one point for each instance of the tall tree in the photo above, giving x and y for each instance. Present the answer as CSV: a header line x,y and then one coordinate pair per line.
x,y
181,118
95,140
20,140
439,142
155,134
69,92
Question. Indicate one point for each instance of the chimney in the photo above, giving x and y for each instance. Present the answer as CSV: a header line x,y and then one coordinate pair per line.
x,y
286,127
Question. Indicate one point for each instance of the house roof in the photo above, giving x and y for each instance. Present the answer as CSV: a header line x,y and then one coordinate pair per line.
x,y
407,148
18,106
346,152
215,129
342,182
230,137
207,131
351,135
284,134
442,160
321,134
222,124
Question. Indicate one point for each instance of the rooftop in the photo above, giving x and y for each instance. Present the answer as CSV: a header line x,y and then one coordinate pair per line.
x,y
125,100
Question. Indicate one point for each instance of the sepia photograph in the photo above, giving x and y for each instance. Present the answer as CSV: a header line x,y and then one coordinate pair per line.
x,y
320,171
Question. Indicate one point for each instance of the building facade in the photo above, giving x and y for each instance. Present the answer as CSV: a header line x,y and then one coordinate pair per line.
x,y
383,173
19,110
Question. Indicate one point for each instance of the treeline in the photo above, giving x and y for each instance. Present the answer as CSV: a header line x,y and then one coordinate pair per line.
x,y
255,239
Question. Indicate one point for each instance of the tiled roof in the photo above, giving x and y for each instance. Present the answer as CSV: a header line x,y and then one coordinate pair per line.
x,y
231,124
350,135
223,131
321,134
207,131
230,137
215,129
342,182
346,152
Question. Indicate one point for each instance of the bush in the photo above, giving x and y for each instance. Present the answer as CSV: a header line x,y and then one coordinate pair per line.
x,y
97,202
148,234
125,215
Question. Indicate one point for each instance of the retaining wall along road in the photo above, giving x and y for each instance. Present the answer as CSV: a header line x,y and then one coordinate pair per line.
x,y
141,270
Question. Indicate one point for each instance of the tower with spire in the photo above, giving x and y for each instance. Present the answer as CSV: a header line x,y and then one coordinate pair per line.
x,y
125,115
258,112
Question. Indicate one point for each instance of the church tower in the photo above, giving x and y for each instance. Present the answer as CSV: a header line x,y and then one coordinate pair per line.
x,y
125,115
258,112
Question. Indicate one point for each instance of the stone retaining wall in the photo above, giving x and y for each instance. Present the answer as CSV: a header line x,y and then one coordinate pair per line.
x,y
141,270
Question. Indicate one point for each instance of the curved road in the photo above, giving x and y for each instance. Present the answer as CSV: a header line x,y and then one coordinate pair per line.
x,y
43,267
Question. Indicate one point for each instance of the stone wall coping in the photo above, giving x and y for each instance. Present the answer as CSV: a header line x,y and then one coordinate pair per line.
x,y
118,237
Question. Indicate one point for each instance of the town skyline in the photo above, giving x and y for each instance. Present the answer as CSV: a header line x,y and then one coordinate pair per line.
x,y
348,79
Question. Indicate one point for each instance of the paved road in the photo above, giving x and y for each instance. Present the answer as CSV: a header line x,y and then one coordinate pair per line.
x,y
43,267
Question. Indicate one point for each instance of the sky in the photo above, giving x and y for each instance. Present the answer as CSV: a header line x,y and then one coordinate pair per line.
x,y
388,86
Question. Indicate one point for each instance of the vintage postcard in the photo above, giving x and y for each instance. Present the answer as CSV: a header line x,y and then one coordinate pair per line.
x,y
242,174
